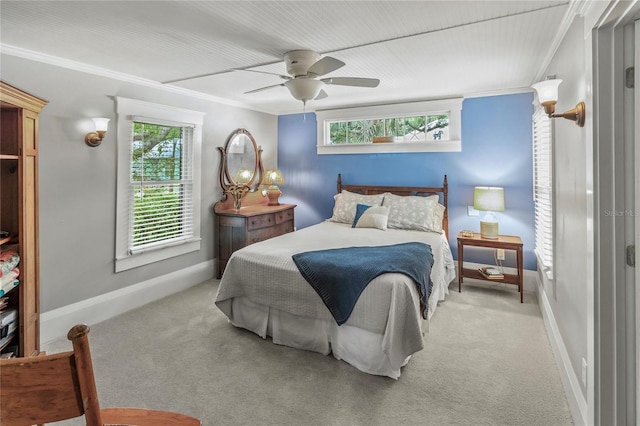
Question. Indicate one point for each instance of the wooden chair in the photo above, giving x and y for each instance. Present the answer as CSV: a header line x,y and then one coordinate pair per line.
x,y
61,386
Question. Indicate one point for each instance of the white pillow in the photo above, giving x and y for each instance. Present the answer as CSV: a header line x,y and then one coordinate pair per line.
x,y
372,217
344,209
414,212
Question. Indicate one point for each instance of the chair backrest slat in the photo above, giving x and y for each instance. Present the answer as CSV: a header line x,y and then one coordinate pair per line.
x,y
50,388
39,390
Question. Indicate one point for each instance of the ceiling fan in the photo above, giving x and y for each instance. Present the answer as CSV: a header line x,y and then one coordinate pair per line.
x,y
305,67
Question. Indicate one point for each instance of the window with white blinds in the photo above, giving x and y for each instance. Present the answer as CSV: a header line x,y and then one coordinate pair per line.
x,y
161,186
543,189
158,182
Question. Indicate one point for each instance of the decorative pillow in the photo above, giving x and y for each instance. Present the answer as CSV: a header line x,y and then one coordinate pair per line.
x,y
414,212
360,209
344,209
371,217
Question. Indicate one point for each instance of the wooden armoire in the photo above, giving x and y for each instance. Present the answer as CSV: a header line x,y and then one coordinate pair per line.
x,y
19,209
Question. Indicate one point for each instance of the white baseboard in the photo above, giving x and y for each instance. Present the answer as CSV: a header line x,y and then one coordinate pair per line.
x,y
56,323
529,277
575,398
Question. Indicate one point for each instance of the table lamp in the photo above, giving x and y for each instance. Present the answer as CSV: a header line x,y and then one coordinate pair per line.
x,y
273,178
489,199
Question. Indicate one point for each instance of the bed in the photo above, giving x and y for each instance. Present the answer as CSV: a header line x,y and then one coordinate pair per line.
x,y
262,289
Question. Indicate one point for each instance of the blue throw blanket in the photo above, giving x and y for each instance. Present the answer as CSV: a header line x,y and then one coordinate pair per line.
x,y
340,275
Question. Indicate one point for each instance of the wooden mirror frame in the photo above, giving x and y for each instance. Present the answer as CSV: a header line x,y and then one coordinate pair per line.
x,y
226,180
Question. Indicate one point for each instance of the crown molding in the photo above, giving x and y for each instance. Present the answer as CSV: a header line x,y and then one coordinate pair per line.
x,y
104,72
576,8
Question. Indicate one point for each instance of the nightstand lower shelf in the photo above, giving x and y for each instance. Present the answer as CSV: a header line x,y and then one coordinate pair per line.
x,y
474,274
504,242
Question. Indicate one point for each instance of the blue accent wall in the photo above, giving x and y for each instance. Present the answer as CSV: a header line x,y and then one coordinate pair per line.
x,y
496,151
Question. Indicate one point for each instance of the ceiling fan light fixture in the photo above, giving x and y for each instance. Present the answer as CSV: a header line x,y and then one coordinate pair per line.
x,y
304,89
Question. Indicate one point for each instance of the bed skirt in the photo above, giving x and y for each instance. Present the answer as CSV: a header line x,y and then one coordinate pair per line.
x,y
369,352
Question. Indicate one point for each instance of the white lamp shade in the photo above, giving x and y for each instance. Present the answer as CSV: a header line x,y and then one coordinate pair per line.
x,y
547,90
488,198
102,124
304,89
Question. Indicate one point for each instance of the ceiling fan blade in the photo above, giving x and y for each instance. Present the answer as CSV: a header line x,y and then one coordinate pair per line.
x,y
263,88
284,77
325,66
352,81
321,95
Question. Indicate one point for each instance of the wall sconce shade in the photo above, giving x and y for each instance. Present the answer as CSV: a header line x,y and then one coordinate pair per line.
x,y
273,178
94,139
547,91
489,199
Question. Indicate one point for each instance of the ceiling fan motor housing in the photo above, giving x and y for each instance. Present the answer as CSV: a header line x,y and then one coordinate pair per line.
x,y
298,62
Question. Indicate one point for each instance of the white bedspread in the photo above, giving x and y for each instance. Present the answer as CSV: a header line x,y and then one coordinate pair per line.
x,y
264,275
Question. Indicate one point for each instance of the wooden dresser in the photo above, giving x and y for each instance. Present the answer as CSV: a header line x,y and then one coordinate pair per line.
x,y
239,228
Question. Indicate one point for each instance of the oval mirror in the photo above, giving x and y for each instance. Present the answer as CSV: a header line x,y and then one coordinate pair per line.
x,y
240,160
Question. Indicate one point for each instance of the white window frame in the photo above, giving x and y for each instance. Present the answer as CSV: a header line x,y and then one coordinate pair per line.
x,y
452,107
543,190
127,111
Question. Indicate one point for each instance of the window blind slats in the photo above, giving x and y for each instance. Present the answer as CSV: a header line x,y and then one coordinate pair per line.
x,y
160,190
543,187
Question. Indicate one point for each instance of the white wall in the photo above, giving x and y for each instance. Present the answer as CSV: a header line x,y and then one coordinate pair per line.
x,y
565,300
78,183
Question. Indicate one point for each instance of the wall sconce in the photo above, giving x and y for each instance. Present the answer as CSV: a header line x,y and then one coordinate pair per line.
x,y
548,96
94,139
489,199
273,178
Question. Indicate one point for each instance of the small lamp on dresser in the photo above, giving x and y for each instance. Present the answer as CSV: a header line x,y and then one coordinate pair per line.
x,y
489,199
273,178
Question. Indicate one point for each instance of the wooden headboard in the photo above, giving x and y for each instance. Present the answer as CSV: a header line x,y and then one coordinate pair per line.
x,y
421,191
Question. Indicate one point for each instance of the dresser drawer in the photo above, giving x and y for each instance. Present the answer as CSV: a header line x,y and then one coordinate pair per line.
x,y
284,216
258,235
261,221
249,225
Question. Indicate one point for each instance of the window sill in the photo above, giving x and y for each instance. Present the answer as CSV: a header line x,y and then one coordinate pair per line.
x,y
148,257
391,147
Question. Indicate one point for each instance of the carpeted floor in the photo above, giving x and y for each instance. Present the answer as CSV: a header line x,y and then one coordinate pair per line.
x,y
487,361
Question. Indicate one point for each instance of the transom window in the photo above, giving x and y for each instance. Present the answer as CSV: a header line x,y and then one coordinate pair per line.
x,y
417,128
409,127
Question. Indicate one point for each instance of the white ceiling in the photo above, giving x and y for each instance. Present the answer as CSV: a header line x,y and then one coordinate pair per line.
x,y
418,49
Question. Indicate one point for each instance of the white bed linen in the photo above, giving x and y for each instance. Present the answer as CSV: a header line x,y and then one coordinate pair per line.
x,y
263,291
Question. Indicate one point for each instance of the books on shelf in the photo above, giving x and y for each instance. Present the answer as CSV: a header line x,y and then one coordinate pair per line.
x,y
9,329
8,326
5,340
491,273
8,316
7,355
